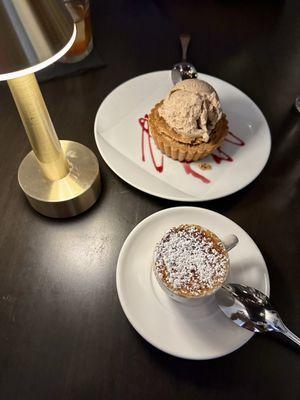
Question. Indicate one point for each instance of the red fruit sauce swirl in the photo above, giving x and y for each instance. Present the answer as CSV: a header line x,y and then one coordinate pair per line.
x,y
218,158
145,131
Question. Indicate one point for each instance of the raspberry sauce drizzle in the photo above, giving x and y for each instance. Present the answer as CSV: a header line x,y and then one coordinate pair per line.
x,y
218,158
188,170
145,130
222,156
238,141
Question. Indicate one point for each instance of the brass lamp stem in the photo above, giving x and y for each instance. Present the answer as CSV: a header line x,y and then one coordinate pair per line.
x,y
39,127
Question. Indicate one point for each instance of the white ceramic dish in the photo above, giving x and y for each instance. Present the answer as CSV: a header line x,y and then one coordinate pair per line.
x,y
118,134
189,331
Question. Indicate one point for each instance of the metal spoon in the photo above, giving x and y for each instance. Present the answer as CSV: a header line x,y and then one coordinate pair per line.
x,y
183,70
251,309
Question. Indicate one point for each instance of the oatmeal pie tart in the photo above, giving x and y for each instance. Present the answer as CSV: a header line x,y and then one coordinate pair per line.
x,y
189,123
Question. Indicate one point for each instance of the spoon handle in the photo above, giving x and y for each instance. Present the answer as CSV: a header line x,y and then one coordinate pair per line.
x,y
285,331
185,41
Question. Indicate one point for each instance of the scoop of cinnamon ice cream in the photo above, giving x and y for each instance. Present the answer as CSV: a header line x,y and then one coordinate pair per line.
x,y
192,108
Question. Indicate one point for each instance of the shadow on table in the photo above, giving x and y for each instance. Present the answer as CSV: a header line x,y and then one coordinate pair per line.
x,y
225,372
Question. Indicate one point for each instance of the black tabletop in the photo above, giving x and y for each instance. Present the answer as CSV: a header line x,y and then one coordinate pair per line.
x,y
63,334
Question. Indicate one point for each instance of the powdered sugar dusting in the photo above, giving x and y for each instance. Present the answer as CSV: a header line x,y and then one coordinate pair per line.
x,y
190,260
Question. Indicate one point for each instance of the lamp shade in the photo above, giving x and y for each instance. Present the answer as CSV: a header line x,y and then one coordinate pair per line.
x,y
34,34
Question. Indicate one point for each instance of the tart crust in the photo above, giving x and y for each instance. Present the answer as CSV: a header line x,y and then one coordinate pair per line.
x,y
180,147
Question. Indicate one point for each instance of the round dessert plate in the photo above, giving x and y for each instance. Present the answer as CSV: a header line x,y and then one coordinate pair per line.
x,y
197,332
122,137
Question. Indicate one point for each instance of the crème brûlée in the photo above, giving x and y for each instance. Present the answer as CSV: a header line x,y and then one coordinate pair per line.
x,y
190,261
189,123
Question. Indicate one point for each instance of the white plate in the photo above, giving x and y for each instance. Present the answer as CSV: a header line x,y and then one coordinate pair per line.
x,y
118,136
194,332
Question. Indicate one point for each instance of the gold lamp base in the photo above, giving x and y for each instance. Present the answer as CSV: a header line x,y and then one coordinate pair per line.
x,y
68,196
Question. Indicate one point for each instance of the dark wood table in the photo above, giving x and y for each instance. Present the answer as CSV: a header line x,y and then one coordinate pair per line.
x,y
63,334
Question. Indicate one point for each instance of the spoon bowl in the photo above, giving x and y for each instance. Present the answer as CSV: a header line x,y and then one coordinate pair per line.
x,y
183,70
251,309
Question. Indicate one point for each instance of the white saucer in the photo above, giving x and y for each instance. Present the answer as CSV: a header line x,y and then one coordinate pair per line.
x,y
194,332
118,135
